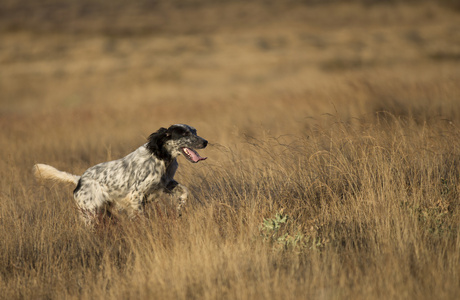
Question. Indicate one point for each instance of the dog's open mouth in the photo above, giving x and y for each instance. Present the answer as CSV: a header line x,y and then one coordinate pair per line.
x,y
192,155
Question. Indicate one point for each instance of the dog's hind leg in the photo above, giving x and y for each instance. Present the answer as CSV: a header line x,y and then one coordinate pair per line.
x,y
91,201
90,217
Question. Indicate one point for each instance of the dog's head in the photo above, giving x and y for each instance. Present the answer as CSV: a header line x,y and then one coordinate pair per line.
x,y
178,139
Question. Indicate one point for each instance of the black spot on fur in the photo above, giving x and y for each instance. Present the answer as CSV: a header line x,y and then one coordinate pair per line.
x,y
156,143
171,186
78,187
178,131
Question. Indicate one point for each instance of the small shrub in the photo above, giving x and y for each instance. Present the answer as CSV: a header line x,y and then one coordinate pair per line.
x,y
278,232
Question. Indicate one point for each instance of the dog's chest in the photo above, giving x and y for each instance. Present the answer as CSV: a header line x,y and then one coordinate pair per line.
x,y
150,177
170,171
155,177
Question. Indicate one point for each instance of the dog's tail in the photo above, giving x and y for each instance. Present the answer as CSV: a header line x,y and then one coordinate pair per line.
x,y
42,171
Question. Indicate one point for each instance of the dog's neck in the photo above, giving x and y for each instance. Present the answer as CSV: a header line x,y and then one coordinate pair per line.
x,y
159,152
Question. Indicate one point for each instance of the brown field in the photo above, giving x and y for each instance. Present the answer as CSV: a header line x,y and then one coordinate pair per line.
x,y
336,122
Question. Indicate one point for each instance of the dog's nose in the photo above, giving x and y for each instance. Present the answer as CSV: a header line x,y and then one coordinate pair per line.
x,y
205,143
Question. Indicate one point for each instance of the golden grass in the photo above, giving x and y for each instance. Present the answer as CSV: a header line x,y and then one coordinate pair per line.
x,y
347,127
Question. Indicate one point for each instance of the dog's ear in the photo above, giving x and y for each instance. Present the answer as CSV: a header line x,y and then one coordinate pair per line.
x,y
156,142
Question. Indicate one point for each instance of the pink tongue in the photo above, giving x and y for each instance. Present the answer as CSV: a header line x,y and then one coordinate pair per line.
x,y
194,156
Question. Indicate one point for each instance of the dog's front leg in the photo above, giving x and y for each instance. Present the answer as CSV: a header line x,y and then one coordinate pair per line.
x,y
179,192
134,205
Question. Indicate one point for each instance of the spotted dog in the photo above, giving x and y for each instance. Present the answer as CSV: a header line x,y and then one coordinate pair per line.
x,y
127,183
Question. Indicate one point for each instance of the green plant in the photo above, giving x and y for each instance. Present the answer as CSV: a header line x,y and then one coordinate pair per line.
x,y
278,232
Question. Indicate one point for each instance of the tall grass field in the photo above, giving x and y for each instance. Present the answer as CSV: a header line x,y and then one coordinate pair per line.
x,y
333,167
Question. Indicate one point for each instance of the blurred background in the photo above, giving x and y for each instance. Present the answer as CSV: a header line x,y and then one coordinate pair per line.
x,y
78,73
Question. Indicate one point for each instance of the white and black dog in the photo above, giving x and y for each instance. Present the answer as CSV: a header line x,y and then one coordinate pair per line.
x,y
127,183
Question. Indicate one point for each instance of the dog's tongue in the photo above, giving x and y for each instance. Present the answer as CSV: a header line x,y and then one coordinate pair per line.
x,y
193,155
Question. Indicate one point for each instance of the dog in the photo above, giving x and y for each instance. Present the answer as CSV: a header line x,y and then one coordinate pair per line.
x,y
128,183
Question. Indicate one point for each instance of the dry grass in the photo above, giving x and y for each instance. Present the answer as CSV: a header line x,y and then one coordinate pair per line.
x,y
336,124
